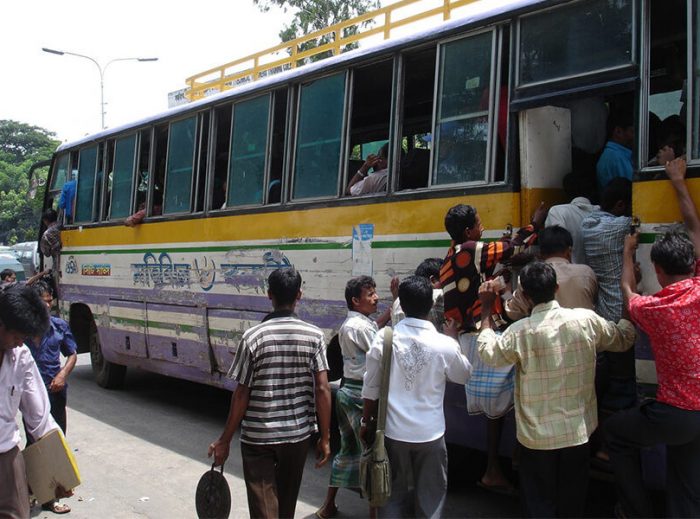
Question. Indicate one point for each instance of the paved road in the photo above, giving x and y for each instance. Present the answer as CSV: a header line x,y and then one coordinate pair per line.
x,y
142,449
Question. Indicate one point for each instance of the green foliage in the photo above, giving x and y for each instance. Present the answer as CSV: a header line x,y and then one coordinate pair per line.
x,y
314,15
21,145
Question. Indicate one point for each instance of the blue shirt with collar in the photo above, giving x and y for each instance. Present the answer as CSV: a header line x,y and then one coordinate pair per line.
x,y
615,161
57,340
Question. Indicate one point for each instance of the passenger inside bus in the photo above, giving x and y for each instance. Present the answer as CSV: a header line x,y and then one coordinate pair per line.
x,y
362,182
616,159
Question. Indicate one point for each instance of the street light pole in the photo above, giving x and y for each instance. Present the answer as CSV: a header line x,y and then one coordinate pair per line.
x,y
101,71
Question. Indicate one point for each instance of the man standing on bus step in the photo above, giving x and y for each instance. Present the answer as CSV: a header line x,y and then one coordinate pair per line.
x,y
670,318
554,352
277,422
470,261
616,159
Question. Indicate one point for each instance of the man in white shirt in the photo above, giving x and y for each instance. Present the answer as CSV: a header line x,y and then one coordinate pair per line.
x,y
422,362
22,314
363,183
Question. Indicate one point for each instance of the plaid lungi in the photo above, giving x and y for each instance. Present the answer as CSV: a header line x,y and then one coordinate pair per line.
x,y
489,390
345,470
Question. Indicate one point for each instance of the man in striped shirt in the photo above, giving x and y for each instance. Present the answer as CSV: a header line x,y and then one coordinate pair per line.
x,y
281,371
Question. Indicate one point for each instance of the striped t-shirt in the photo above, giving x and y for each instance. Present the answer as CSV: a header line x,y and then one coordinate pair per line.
x,y
277,360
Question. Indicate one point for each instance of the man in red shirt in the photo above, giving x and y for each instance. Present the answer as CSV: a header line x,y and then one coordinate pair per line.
x,y
670,318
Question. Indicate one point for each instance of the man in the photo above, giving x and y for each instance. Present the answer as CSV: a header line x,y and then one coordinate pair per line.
x,y
554,352
604,234
66,201
355,336
50,243
469,261
280,367
578,287
616,159
429,269
8,277
670,318
362,183
22,314
422,362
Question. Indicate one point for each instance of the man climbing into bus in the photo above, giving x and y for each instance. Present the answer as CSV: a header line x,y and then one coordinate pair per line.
x,y
670,318
277,422
470,261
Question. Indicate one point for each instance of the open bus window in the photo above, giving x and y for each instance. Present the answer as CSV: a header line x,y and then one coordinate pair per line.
x,y
122,176
201,161
319,136
142,169
370,119
667,80
279,132
575,39
246,178
416,118
86,184
178,176
222,120
463,120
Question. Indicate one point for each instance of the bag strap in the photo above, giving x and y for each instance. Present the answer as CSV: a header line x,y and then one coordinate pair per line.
x,y
386,370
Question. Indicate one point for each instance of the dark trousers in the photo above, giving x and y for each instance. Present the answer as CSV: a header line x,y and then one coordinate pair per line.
x,y
14,497
650,424
58,412
272,476
553,483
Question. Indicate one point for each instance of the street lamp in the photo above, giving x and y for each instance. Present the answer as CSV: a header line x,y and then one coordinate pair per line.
x,y
101,70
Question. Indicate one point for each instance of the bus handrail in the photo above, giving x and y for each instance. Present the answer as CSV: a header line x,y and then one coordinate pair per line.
x,y
198,87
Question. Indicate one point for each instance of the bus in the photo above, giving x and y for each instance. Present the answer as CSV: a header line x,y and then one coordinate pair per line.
x,y
492,109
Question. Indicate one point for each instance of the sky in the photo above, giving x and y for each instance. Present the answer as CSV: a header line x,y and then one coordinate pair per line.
x,y
62,93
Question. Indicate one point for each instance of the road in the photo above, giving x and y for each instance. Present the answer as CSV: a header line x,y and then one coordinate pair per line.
x,y
142,449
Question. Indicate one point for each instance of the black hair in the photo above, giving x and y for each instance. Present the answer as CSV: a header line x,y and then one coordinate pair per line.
x,y
353,288
539,281
618,189
416,296
429,267
6,274
50,215
621,116
674,253
284,285
459,219
42,287
554,240
384,151
22,310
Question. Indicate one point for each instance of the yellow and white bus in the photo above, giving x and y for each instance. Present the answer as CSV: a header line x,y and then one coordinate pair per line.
x,y
493,110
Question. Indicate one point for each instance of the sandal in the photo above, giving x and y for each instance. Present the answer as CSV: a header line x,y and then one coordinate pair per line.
x,y
56,507
320,515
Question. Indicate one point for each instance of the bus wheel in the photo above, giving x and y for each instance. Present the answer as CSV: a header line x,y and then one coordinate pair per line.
x,y
107,374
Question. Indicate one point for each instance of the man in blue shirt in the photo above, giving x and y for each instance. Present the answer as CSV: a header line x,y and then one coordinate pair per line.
x,y
67,198
616,159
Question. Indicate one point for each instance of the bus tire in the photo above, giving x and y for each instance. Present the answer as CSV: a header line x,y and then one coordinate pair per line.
x,y
107,374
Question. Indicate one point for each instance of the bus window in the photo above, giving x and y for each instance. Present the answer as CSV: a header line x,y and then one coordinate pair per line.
x,y
222,119
178,176
86,184
696,83
465,97
99,182
319,134
575,39
201,162
160,152
416,122
666,134
246,177
60,173
279,133
370,119
123,176
143,169
109,179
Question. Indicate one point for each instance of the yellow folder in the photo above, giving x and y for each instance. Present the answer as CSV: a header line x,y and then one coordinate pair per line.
x,y
50,463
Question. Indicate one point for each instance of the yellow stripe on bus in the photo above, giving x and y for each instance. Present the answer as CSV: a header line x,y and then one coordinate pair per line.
x,y
655,201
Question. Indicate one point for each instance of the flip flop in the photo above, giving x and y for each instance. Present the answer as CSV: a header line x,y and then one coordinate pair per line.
x,y
503,490
56,508
320,515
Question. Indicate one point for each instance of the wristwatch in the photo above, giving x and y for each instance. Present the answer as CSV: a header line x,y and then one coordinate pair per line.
x,y
359,172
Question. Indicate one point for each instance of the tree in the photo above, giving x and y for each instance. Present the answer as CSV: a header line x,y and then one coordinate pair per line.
x,y
21,145
314,15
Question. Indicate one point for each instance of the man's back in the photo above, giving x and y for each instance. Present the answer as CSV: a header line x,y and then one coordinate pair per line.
x,y
277,360
569,216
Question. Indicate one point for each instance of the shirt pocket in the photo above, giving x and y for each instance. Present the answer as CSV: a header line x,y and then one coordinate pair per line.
x,y
10,403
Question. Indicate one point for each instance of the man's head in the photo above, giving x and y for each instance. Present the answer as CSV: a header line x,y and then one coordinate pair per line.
x,y
555,241
617,197
463,223
45,293
621,127
538,281
430,269
49,216
361,295
673,256
416,297
8,275
284,287
22,314
383,155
